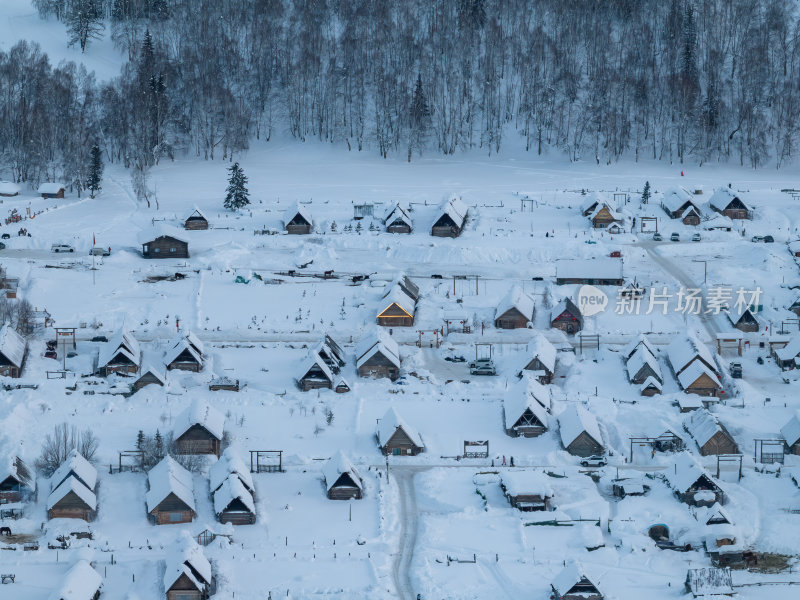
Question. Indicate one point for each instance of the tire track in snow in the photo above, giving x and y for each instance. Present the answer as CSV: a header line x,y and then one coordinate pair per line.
x,y
401,567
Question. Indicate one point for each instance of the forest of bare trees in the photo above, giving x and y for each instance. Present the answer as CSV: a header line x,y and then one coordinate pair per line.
x,y
673,80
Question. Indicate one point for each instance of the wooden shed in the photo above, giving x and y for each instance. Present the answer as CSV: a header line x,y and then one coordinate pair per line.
x,y
17,482
120,354
742,318
791,434
604,216
580,433
13,348
540,357
297,220
709,582
450,219
170,494
185,353
643,365
188,573
711,436
691,483
233,502
149,375
679,203
165,246
593,271
726,202
527,490
9,189
573,584
396,437
199,429
342,480
397,308
378,355
397,220
223,383
525,409
52,190
316,374
567,317
71,499
515,310
196,221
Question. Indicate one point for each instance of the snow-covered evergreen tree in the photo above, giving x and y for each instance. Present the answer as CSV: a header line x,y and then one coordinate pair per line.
x,y
95,171
646,192
237,195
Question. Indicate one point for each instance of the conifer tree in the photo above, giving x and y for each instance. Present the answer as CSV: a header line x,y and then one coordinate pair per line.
x,y
237,195
646,192
95,171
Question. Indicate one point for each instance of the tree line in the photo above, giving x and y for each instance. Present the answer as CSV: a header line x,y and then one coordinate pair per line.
x,y
674,80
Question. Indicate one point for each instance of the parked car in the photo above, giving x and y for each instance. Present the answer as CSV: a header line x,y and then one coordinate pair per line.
x,y
757,238
736,370
482,366
768,239
99,338
456,359
675,237
594,461
657,237
436,276
6,236
51,354
696,237
96,251
61,248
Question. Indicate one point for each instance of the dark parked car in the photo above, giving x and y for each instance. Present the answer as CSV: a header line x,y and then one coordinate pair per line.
x,y
768,239
99,338
6,236
736,370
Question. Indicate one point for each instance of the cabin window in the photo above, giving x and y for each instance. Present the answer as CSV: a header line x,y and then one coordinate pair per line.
x,y
156,250
396,451
173,249
186,597
175,517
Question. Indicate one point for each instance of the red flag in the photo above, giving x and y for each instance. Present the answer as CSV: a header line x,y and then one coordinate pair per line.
x,y
93,240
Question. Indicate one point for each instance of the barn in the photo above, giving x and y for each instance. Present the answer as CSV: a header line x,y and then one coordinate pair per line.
x,y
17,482
515,310
81,582
316,374
580,433
397,220
199,429
791,434
12,352
726,202
149,375
188,573
297,220
527,490
742,318
185,353
396,437
451,218
679,203
196,221
691,483
711,436
567,317
573,584
233,502
525,409
51,190
378,355
397,308
163,245
540,357
120,354
170,494
342,481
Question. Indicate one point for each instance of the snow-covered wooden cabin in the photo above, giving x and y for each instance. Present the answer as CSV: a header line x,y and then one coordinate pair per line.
x,y
591,202
51,189
634,345
170,494
540,358
230,463
17,481
120,354
791,434
185,353
679,203
698,379
233,502
72,486
725,202
694,366
515,310
787,354
9,189
603,216
567,317
525,409
396,437
711,436
378,355
527,490
450,219
709,582
12,352
199,429
330,352
572,583
580,432
81,582
188,574
742,318
163,242
397,220
149,374
315,373
196,221
691,483
593,271
396,308
642,365
342,480
297,220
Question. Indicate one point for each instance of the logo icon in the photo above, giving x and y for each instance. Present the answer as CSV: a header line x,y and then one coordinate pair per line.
x,y
591,300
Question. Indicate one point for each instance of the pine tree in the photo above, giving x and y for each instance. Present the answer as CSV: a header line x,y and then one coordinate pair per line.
x,y
237,195
84,22
159,445
95,171
140,440
646,192
359,228
420,119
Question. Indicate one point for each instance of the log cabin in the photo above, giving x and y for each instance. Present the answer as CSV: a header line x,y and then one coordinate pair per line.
x,y
698,379
185,353
725,202
51,190
297,220
378,355
540,357
603,216
711,436
527,490
567,317
342,480
149,375
13,349
679,203
199,430
397,220
196,221
515,310
170,494
525,409
120,354
81,582
188,574
230,463
397,308
573,584
17,482
233,502
71,499
592,271
709,582
643,365
316,374
580,432
165,246
450,219
742,318
791,434
9,189
396,437
691,483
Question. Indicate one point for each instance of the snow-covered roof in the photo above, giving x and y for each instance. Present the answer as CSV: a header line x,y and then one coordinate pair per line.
x,y
395,213
541,348
203,414
157,372
454,208
685,349
590,202
603,205
590,268
718,221
232,489
80,583
523,396
690,401
397,295
650,382
714,512
790,350
16,468
634,345
684,472
516,298
566,305
121,342
389,424
710,582
297,209
378,341
196,213
186,557
9,188
721,198
336,466
691,373
49,187
229,463
642,357
152,233
702,425
573,421
12,345
168,477
71,484
177,347
572,574
526,483
78,465
676,197
313,359
737,310
791,431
